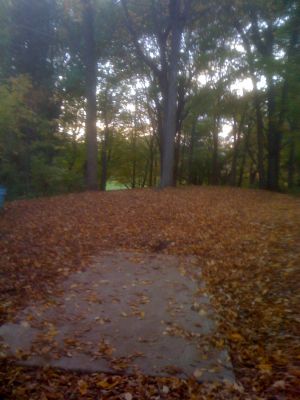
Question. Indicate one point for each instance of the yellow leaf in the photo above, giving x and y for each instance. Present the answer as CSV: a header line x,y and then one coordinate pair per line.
x,y
236,337
82,386
264,367
104,384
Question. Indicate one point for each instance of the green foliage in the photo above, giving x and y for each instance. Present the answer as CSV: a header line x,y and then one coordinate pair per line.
x,y
30,164
15,113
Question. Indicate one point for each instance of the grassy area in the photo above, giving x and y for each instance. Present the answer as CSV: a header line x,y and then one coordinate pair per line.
x,y
114,185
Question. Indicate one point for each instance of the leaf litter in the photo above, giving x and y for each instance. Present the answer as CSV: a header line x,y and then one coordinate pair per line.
x,y
247,241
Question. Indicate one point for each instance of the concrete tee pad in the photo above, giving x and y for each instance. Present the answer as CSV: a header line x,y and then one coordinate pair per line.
x,y
127,312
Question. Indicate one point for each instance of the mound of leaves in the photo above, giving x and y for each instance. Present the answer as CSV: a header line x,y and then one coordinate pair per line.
x,y
51,384
247,242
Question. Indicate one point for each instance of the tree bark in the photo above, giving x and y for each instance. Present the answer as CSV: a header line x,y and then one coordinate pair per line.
x,y
252,174
291,163
273,141
104,158
177,156
234,158
236,149
259,138
134,139
151,160
91,103
244,155
133,176
169,131
215,156
191,168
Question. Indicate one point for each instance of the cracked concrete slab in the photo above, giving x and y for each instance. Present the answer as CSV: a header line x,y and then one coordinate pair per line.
x,y
127,312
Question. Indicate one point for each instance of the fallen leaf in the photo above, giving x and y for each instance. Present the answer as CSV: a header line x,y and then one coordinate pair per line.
x,y
236,337
165,389
83,387
198,373
264,367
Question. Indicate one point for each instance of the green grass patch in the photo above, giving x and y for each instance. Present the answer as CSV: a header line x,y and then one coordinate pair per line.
x,y
114,185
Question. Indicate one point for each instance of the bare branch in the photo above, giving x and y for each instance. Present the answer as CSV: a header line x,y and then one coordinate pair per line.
x,y
130,27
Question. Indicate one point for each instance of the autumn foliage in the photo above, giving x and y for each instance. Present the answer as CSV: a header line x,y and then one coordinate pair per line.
x,y
247,242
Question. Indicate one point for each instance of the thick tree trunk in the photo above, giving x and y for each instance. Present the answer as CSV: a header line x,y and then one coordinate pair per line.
x,y
133,177
182,160
143,183
259,138
91,104
233,171
155,167
291,163
252,175
134,138
273,141
104,158
180,115
170,99
177,156
236,148
151,160
191,174
215,156
244,155
241,172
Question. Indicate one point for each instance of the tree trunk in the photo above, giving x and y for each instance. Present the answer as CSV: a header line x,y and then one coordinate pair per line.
x,y
104,158
215,157
177,156
133,178
145,174
259,138
170,99
273,141
134,138
155,172
182,158
236,148
234,158
151,160
191,173
241,173
244,155
252,174
91,105
291,163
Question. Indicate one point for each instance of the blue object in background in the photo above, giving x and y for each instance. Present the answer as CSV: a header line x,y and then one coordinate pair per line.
x,y
2,195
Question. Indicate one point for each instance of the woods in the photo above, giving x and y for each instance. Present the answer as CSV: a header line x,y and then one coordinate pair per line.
x,y
148,93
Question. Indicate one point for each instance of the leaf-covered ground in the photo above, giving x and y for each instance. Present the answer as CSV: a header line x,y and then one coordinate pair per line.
x,y
248,243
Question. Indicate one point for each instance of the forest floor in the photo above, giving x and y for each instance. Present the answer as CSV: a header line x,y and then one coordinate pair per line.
x,y
248,243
